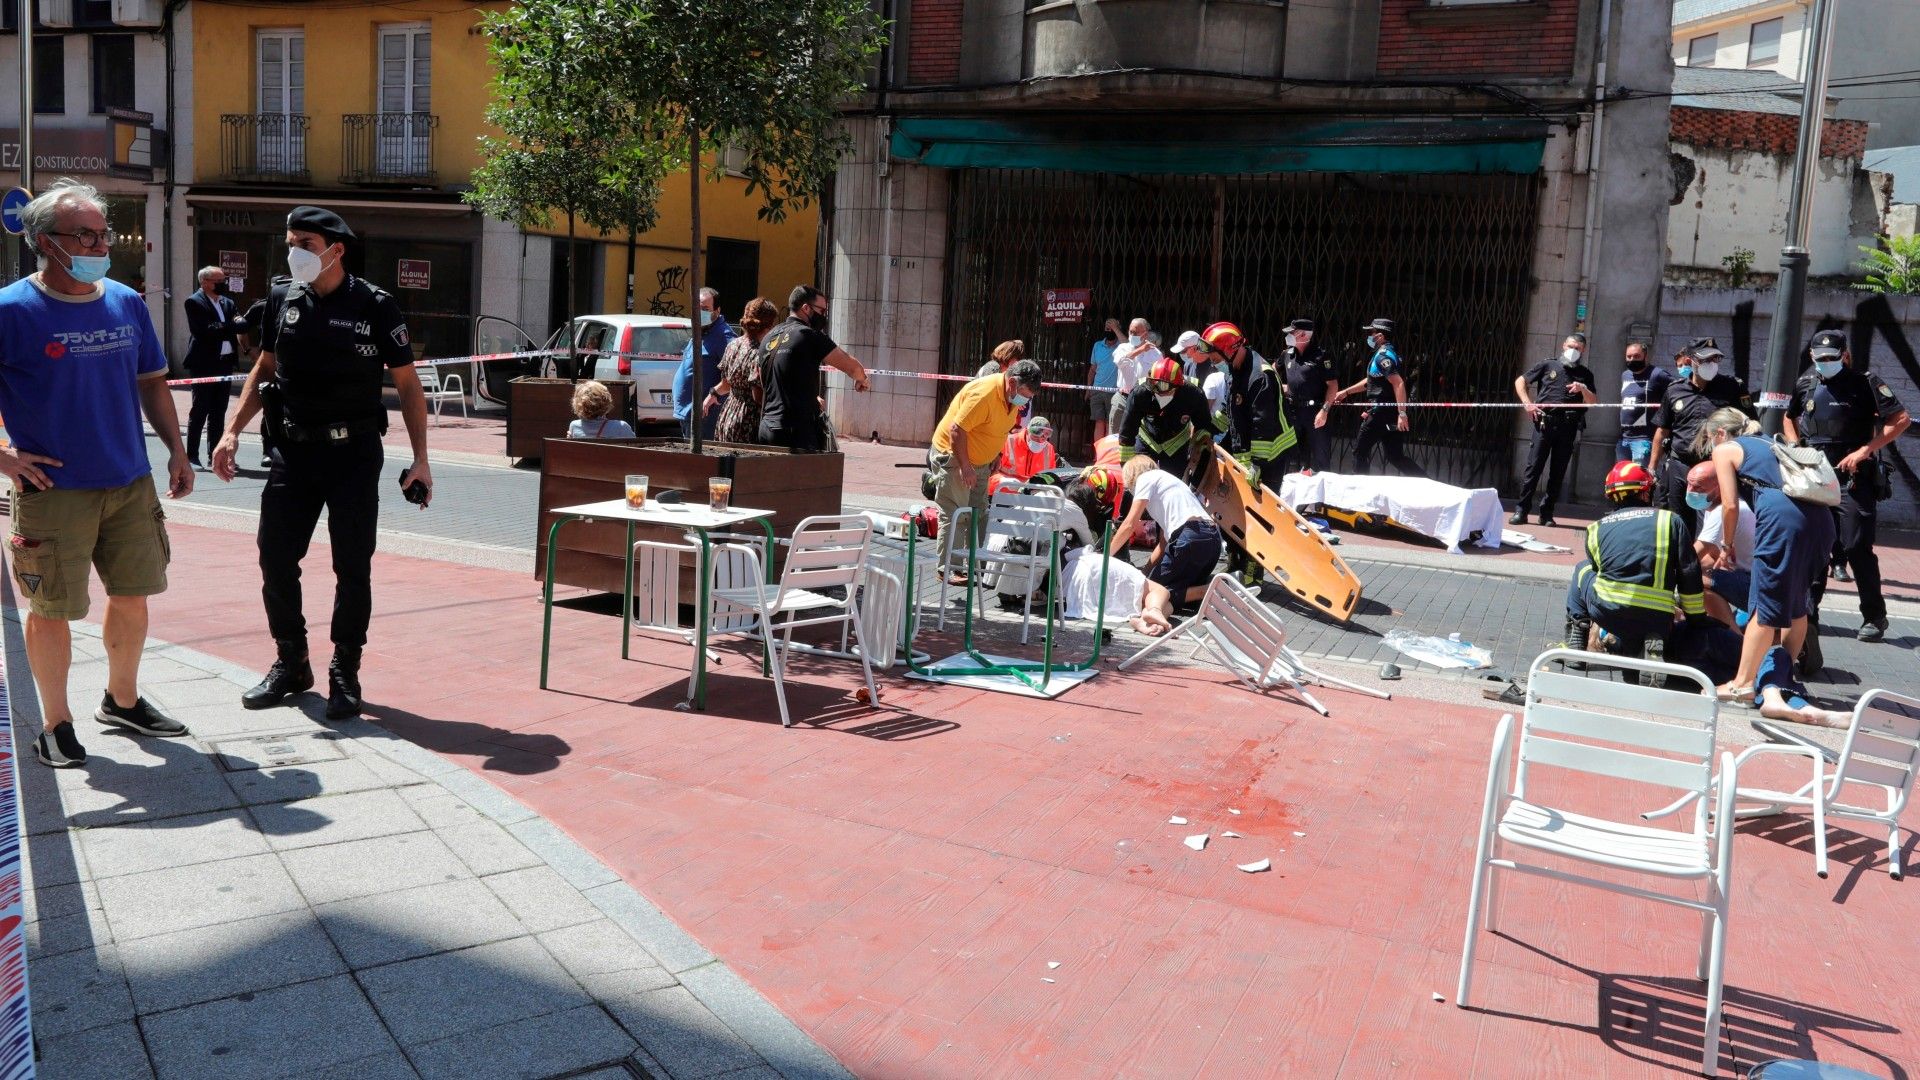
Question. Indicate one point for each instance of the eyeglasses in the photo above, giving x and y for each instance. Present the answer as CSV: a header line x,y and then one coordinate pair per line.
x,y
89,238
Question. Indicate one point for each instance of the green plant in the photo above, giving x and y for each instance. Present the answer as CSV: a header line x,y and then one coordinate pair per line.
x,y
1739,264
1894,268
620,94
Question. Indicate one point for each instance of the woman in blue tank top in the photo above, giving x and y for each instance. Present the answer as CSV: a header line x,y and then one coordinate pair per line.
x,y
1791,540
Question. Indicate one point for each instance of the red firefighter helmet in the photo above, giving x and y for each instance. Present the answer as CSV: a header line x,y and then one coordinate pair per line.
x,y
1222,337
1627,477
1165,370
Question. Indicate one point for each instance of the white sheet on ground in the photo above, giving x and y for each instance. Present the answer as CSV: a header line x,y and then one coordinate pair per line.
x,y
1125,585
1448,514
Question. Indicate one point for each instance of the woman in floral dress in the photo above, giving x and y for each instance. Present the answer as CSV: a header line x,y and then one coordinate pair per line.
x,y
740,376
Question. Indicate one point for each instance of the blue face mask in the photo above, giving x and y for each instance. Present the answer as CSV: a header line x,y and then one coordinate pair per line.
x,y
87,269
1686,371
1021,401
1827,368
706,318
1698,500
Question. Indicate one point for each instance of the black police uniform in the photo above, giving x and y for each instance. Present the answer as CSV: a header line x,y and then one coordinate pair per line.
x,y
330,353
1556,432
1682,413
1380,425
1841,415
1307,376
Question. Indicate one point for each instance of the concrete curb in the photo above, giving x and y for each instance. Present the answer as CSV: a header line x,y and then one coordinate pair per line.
x,y
743,1010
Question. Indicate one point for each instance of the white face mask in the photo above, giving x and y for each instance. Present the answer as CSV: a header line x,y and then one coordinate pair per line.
x,y
1707,371
1036,445
1570,355
1163,400
304,266
1135,340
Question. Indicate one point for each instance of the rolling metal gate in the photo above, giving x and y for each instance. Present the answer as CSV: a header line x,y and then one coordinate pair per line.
x,y
1447,257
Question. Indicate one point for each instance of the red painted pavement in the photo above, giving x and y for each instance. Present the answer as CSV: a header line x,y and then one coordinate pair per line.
x,y
897,882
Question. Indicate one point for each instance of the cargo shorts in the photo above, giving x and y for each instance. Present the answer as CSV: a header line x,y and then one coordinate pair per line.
x,y
57,534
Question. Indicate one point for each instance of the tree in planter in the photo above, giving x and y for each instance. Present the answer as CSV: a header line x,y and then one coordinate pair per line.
x,y
766,79
569,145
1894,270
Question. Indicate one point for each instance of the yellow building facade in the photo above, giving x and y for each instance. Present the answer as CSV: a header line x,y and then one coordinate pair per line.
x,y
376,111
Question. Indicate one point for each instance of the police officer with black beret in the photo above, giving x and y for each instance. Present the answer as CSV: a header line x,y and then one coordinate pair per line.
x,y
1849,414
326,338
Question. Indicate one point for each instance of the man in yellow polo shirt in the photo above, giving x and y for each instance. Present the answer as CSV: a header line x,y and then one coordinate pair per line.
x,y
968,439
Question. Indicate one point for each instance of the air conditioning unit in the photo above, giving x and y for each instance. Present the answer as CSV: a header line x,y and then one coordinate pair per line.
x,y
56,14
137,12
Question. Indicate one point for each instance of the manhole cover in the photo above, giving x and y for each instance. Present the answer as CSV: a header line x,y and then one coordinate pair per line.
x,y
274,751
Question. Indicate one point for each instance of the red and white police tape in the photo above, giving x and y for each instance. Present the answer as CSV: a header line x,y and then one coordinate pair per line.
x,y
539,354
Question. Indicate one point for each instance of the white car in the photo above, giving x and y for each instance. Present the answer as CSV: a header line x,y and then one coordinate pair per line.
x,y
650,346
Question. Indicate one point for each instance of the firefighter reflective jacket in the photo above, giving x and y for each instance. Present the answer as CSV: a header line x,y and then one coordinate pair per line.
x,y
1640,557
1166,434
1272,434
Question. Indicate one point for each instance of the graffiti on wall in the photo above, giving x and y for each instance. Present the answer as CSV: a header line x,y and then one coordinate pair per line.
x,y
671,280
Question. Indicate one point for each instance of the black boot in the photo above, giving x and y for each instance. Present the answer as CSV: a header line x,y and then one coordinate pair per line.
x,y
1519,515
289,675
343,684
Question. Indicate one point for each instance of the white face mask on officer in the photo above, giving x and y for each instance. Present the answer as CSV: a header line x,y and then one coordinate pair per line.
x,y
304,266
1163,400
1708,370
1570,355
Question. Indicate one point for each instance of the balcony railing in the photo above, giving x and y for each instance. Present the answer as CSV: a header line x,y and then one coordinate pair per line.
x,y
387,148
264,147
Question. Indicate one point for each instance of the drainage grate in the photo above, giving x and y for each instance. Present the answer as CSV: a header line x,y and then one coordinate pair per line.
x,y
275,751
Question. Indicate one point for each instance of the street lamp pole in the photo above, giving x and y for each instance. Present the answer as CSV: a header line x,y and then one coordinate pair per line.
x,y
26,94
1790,294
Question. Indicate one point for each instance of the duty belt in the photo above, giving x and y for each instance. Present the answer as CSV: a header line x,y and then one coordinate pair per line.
x,y
331,433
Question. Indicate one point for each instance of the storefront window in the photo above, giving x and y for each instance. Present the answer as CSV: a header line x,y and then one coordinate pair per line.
x,y
127,217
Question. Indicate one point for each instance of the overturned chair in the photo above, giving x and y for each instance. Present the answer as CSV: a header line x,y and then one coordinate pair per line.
x,y
1247,637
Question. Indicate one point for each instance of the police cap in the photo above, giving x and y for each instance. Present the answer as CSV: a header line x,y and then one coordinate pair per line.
x,y
1828,344
317,219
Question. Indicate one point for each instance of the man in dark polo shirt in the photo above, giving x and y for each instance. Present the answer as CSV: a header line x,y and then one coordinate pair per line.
x,y
791,356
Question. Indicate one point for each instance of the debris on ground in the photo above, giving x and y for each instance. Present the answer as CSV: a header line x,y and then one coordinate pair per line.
x,y
1176,820
1197,842
1257,867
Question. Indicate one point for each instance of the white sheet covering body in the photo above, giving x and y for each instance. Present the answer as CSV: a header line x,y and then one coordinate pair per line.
x,y
1125,584
1448,514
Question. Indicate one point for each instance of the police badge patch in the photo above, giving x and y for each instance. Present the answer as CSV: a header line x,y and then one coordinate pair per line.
x,y
290,316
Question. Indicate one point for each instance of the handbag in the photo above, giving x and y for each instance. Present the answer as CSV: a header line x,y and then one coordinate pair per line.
x,y
1806,475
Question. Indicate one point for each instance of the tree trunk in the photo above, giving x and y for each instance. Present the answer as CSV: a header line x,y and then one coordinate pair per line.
x,y
695,417
566,305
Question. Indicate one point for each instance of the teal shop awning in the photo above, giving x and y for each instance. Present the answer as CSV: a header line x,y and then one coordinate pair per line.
x,y
1201,146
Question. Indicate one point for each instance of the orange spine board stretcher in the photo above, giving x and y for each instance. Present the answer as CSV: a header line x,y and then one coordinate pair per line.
x,y
1289,549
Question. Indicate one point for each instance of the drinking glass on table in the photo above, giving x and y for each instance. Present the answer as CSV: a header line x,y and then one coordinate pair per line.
x,y
636,491
719,492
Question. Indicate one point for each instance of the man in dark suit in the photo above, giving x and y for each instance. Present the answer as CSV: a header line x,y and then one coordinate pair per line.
x,y
212,320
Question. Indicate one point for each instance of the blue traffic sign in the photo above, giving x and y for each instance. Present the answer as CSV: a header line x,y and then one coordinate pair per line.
x,y
15,201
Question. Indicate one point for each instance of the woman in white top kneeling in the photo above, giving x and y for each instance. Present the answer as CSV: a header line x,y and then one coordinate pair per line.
x,y
1182,564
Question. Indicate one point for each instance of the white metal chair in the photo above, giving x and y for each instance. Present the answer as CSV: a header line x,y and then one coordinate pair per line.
x,y
1030,514
826,552
656,581
439,389
1881,752
1626,732
1248,638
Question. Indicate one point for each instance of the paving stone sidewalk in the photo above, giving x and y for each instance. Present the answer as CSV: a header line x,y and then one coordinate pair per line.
x,y
276,896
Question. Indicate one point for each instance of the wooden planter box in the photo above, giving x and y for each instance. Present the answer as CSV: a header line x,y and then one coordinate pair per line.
x,y
539,409
592,556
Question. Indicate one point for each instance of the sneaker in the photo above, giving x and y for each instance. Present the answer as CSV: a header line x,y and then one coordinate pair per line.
x,y
1873,630
142,718
60,748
